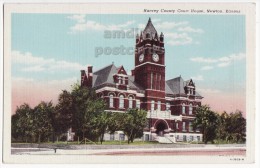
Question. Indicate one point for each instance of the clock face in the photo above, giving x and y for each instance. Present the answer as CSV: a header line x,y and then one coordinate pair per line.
x,y
141,58
155,57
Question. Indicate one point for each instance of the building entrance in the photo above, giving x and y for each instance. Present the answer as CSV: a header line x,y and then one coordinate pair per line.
x,y
160,128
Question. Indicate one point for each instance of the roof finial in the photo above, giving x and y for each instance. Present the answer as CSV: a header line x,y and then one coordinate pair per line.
x,y
113,62
149,19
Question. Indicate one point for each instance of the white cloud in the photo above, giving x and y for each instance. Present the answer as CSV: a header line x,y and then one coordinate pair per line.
x,y
176,33
205,68
203,60
190,29
36,64
198,78
208,90
78,18
169,25
82,24
224,64
178,38
222,61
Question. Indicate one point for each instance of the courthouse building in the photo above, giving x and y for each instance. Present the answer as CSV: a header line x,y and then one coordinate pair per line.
x,y
170,103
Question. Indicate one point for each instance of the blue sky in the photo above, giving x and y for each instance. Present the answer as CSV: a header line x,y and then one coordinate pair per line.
x,y
208,48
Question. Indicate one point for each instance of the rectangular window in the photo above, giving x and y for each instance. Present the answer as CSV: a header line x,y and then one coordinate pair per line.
x,y
159,105
138,104
190,109
151,80
122,137
191,138
112,137
183,126
156,80
152,105
184,138
177,126
168,106
198,138
190,127
159,82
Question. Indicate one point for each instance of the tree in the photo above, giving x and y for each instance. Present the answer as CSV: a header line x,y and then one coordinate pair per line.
x,y
85,106
22,123
207,121
41,121
63,113
116,122
134,122
236,128
223,123
101,124
232,127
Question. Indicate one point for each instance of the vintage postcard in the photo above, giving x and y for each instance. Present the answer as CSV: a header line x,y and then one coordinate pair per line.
x,y
129,83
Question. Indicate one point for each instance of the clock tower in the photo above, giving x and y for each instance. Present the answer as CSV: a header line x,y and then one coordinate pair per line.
x,y
149,69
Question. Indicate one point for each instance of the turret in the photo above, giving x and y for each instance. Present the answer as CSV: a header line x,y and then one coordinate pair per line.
x,y
161,37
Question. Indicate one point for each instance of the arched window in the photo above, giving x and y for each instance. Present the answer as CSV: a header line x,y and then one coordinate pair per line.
x,y
121,101
111,100
152,105
183,108
130,102
190,109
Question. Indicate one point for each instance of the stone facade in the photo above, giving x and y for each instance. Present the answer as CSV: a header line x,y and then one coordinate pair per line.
x,y
170,104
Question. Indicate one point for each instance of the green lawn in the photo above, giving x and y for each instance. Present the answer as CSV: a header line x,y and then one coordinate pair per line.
x,y
98,143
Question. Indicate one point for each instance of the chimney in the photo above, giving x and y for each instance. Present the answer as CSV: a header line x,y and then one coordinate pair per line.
x,y
133,72
90,76
83,77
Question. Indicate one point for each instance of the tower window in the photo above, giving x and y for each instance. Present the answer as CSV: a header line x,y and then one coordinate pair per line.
x,y
183,108
121,101
190,109
151,80
111,100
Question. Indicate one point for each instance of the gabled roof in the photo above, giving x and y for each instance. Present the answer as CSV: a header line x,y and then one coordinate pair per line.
x,y
105,76
176,85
